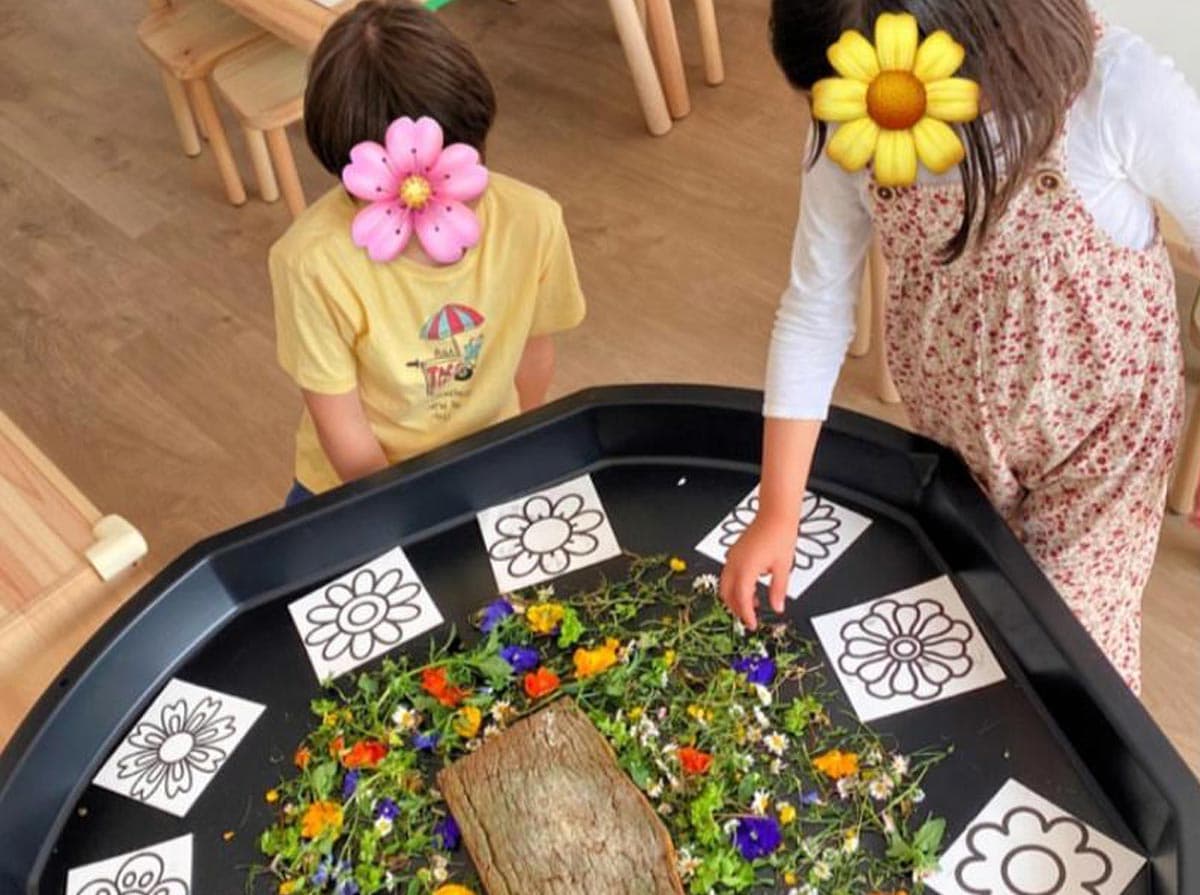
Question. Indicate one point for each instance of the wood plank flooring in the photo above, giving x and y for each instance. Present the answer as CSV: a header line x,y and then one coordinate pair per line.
x,y
137,345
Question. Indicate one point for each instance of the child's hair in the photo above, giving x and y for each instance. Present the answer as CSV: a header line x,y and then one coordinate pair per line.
x,y
385,59
1030,57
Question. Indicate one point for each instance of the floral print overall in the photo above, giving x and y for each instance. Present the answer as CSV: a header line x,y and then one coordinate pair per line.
x,y
1049,358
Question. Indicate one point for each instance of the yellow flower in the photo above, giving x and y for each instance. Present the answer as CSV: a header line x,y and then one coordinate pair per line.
x,y
636,712
466,724
589,662
669,658
272,796
452,889
837,764
789,878
288,887
787,813
330,719
320,817
893,100
544,618
700,714
677,565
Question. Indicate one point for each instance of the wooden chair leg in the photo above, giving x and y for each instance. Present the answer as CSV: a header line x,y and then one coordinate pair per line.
x,y
181,109
660,25
206,114
710,42
641,66
260,158
877,272
862,315
1182,496
285,169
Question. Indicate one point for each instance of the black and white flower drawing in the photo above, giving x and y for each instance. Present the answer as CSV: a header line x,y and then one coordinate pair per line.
x,y
906,649
358,617
1030,853
142,874
816,537
165,753
546,535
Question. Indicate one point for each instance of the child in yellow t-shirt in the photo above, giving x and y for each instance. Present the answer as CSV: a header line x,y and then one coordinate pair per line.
x,y
397,358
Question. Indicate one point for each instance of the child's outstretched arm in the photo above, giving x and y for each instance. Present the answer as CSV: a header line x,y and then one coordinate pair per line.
x,y
345,434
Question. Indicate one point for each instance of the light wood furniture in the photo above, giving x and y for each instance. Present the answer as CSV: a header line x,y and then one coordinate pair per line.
x,y
299,22
660,26
51,597
186,38
1183,496
263,82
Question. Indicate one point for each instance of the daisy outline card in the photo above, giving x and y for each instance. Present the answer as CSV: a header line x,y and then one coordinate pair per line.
x,y
359,616
178,746
908,649
162,869
1022,843
826,531
536,538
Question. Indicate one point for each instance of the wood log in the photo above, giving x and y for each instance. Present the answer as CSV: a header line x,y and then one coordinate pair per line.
x,y
544,809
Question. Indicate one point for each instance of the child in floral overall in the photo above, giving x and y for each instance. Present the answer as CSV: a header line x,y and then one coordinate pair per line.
x,y
1031,310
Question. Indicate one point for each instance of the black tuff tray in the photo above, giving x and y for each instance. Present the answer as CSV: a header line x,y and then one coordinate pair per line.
x,y
1063,723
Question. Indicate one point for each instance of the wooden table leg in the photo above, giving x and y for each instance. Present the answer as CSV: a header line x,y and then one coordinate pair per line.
x,y
182,110
206,112
285,169
641,66
710,41
660,25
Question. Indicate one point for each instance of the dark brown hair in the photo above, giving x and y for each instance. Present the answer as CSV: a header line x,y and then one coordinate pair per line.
x,y
1030,57
385,59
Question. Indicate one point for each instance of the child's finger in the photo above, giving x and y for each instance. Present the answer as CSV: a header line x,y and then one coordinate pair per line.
x,y
744,598
779,581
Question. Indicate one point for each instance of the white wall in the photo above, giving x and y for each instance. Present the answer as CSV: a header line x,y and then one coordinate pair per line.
x,y
1172,26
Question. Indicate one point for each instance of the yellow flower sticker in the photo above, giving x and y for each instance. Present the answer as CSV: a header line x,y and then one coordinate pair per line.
x,y
544,618
894,99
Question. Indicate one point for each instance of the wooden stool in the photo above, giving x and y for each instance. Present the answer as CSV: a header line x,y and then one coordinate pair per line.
x,y
263,82
186,38
660,25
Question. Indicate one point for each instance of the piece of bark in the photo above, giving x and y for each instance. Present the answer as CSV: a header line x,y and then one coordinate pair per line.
x,y
545,809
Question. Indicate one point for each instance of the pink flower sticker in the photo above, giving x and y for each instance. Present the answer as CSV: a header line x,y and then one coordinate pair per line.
x,y
413,183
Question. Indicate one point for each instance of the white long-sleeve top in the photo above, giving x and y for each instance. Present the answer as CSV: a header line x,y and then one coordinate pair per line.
x,y
1133,138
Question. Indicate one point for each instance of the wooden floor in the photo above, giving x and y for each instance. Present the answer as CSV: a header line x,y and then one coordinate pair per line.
x,y
137,348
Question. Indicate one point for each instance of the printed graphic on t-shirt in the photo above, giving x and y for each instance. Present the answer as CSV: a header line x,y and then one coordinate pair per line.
x,y
454,341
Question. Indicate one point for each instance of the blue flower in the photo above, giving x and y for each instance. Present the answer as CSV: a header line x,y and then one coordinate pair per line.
x,y
321,876
350,784
496,612
757,837
387,810
810,798
426,742
521,658
447,832
757,669
348,887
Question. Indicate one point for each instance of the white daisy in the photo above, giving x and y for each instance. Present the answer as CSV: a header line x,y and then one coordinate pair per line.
x,y
900,765
383,826
761,717
847,786
439,867
918,796
764,695
822,871
738,628
490,731
656,790
776,767
880,788
545,592
706,583
754,734
776,743
406,718
686,863
761,803
503,713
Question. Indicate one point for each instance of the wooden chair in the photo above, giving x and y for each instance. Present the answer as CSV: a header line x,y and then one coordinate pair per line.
x,y
187,38
263,82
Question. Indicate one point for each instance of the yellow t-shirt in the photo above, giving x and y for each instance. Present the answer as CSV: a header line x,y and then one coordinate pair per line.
x,y
433,351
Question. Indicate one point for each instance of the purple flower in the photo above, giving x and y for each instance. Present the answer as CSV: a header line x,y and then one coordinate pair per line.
x,y
348,887
810,798
321,876
521,658
758,669
350,784
387,810
426,742
757,837
496,612
447,832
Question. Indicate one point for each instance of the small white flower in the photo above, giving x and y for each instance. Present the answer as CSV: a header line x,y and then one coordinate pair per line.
x,y
656,790
686,863
670,749
850,842
439,867
764,695
880,788
847,786
761,718
776,767
706,583
918,796
738,628
761,803
889,825
490,731
502,712
674,782
665,808
754,734
776,743
744,761
383,826
406,718
809,889
545,592
737,711
900,765
761,649
873,756
730,826
474,744
822,871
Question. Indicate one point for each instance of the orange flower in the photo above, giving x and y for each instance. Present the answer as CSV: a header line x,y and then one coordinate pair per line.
x,y
589,662
302,757
338,746
365,754
836,764
540,683
433,682
693,761
319,818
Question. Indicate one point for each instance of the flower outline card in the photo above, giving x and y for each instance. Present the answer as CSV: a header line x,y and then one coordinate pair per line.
x,y
908,649
539,537
359,616
178,746
162,869
1021,842
826,531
